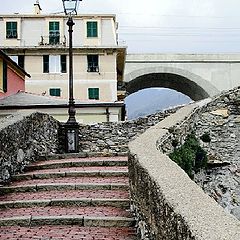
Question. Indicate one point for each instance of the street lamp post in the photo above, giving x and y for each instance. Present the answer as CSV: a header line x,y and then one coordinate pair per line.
x,y
71,126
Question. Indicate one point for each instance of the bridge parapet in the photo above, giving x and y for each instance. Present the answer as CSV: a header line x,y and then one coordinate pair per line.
x,y
206,73
168,204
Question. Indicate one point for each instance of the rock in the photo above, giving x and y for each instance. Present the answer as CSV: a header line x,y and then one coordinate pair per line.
x,y
236,212
220,112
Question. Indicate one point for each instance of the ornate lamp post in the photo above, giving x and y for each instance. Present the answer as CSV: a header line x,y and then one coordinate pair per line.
x,y
71,126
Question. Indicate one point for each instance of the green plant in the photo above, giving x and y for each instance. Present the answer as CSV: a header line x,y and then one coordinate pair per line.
x,y
190,156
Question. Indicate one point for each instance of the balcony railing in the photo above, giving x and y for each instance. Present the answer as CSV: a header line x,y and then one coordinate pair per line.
x,y
11,34
52,39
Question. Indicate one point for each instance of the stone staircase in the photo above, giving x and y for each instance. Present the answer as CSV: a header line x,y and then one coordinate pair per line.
x,y
74,198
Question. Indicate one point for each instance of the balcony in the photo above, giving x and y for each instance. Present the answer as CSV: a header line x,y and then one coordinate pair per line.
x,y
52,39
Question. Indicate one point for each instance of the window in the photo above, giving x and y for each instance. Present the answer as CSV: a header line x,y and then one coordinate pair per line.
x,y
92,29
93,93
11,29
55,92
3,76
19,60
54,34
92,63
54,63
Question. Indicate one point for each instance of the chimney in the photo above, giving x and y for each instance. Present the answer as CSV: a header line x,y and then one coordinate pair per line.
x,y
37,8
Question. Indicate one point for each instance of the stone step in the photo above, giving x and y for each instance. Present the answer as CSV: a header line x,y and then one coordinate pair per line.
x,y
87,193
76,180
76,162
84,155
64,202
84,221
67,232
63,186
90,211
55,194
61,174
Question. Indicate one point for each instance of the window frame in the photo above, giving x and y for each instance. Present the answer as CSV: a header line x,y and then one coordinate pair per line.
x,y
92,31
60,65
54,32
93,93
11,32
55,92
92,63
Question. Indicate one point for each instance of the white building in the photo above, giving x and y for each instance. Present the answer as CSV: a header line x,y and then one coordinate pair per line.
x,y
39,43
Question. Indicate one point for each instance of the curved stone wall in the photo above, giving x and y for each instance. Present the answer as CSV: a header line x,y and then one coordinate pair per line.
x,y
23,139
167,203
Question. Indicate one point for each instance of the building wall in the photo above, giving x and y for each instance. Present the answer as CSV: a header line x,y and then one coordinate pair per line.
x,y
38,39
39,26
15,82
105,79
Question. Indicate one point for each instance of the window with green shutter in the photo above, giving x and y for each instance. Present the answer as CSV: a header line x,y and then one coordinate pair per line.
x,y
55,92
54,33
92,63
93,93
11,29
92,29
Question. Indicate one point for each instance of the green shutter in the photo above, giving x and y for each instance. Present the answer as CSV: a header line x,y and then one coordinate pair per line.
x,y
55,92
92,30
46,63
93,93
54,34
4,76
21,61
11,30
63,63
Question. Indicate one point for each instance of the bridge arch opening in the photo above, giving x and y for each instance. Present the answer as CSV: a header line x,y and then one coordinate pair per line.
x,y
167,80
152,100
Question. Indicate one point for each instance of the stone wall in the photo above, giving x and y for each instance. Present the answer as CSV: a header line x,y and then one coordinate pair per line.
x,y
167,203
113,137
220,119
23,139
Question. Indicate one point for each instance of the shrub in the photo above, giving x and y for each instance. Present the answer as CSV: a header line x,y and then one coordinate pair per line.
x,y
190,156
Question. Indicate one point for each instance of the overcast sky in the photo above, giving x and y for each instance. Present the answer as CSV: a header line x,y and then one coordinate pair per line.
x,y
160,26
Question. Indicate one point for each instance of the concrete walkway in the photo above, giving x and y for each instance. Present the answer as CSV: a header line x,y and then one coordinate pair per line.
x,y
78,198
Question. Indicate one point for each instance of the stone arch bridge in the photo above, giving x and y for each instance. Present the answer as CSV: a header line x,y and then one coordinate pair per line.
x,y
196,75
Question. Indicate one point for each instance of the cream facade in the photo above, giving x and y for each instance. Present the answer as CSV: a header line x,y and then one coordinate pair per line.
x,y
40,42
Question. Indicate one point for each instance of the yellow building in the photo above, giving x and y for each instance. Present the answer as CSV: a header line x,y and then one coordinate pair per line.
x,y
39,44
